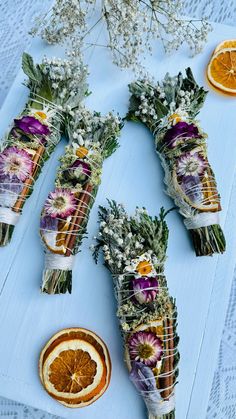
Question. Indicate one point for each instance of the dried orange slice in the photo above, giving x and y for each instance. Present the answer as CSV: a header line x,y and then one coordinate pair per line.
x,y
75,367
228,43
221,70
55,240
209,200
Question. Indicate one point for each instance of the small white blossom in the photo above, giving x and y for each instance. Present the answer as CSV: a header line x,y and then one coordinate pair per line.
x,y
131,27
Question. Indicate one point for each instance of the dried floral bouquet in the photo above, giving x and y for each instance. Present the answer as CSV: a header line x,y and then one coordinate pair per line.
x,y
131,26
134,250
92,139
169,110
55,86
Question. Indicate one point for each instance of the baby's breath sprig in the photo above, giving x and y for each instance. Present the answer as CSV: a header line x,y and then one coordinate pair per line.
x,y
123,238
61,81
131,27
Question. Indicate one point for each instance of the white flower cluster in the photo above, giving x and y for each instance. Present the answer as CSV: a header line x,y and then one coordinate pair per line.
x,y
148,111
88,129
131,26
85,119
92,137
68,77
121,245
64,18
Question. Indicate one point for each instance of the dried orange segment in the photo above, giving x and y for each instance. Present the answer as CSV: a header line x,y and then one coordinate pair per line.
x,y
75,367
55,240
78,369
228,43
221,70
204,203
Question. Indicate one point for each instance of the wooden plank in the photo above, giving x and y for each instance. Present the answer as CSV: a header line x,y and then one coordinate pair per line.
x,y
133,176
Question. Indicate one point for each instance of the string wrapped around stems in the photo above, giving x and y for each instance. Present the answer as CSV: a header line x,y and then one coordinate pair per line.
x,y
55,86
92,138
169,110
134,250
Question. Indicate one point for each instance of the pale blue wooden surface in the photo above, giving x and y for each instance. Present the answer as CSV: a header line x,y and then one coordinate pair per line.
x,y
132,176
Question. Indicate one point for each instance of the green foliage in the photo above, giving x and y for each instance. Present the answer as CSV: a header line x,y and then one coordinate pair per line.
x,y
151,231
32,71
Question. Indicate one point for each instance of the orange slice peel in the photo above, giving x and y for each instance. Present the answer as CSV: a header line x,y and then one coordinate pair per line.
x,y
228,43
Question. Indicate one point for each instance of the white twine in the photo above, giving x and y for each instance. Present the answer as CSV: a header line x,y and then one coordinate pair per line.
x,y
161,407
203,219
8,216
59,262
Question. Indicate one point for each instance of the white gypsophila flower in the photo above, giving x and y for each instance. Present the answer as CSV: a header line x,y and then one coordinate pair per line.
x,y
131,27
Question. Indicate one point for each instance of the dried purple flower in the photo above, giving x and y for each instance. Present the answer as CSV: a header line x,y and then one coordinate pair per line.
x,y
60,204
144,289
142,377
79,171
31,125
145,347
190,164
191,186
181,130
145,382
48,223
15,164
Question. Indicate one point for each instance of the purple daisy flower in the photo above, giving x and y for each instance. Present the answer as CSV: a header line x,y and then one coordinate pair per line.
x,y
145,347
191,165
60,204
16,164
31,125
144,289
181,130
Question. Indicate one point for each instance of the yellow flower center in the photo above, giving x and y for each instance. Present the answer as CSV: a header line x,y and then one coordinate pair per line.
x,y
81,152
175,117
41,114
144,267
145,351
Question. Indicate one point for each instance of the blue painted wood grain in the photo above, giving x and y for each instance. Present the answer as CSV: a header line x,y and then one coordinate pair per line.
x,y
133,175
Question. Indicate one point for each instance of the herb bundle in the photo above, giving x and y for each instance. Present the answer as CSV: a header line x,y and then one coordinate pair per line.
x,y
134,250
92,138
169,110
55,86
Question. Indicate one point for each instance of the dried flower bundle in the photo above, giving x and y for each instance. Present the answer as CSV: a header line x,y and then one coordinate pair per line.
x,y
169,110
131,26
55,86
134,250
92,138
